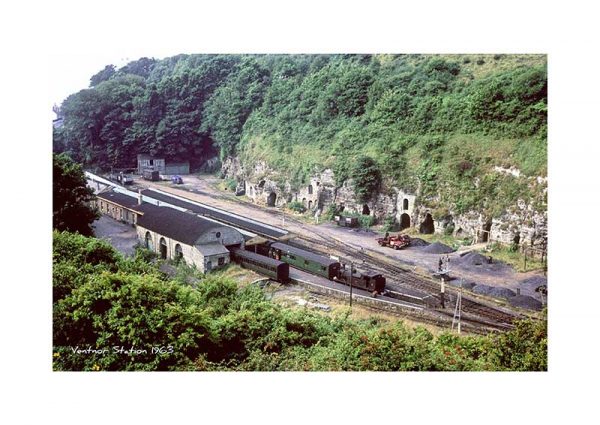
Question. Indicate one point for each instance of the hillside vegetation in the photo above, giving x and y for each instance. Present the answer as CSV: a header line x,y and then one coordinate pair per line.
x,y
102,300
433,124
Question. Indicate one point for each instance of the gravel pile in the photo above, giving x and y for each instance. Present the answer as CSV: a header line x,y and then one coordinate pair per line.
x,y
438,248
465,284
525,301
418,242
474,261
494,291
473,258
533,283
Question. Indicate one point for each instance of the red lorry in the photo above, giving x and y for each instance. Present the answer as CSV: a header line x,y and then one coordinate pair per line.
x,y
395,242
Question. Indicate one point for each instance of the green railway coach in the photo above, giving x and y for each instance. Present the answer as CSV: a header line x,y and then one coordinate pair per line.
x,y
305,260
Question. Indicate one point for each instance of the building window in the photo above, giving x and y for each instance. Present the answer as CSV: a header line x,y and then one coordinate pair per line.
x,y
218,235
178,253
221,261
163,248
149,244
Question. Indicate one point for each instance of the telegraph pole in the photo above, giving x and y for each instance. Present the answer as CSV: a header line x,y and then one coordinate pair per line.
x,y
442,290
458,308
350,285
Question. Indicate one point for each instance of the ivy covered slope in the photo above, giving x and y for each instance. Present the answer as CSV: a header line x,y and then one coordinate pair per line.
x,y
437,124
102,301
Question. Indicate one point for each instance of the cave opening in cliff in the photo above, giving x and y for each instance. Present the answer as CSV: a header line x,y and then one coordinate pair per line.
x,y
516,242
366,210
404,221
427,226
271,199
485,233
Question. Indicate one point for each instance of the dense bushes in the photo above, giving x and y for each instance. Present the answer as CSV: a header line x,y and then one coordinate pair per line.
x,y
304,113
106,301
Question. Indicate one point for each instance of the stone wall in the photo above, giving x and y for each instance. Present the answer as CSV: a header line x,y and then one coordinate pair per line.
x,y
522,223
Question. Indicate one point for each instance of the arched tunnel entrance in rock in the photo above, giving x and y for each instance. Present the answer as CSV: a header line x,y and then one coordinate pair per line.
x,y
366,210
404,221
271,199
485,233
427,226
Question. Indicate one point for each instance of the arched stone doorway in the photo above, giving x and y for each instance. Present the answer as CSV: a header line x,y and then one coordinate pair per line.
x,y
163,248
271,199
304,202
427,227
405,204
366,210
178,253
309,205
404,221
149,244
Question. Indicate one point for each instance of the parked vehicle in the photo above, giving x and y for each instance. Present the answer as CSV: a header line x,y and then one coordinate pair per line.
x,y
176,180
346,221
151,175
124,179
395,242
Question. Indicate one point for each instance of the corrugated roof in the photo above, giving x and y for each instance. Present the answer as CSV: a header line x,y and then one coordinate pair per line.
x,y
305,254
180,226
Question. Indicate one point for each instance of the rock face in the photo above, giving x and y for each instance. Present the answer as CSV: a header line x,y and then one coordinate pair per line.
x,y
520,224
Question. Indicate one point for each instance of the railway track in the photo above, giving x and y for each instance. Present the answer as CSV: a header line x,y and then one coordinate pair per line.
x,y
399,278
488,314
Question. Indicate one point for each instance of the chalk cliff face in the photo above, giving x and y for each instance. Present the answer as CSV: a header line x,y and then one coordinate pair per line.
x,y
520,223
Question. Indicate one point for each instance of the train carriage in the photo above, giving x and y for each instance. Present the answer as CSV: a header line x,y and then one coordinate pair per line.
x,y
275,269
305,260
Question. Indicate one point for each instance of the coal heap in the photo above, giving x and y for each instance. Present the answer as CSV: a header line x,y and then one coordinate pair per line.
x,y
438,248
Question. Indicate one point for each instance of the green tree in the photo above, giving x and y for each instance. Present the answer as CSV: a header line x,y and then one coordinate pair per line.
x,y
367,178
71,197
103,75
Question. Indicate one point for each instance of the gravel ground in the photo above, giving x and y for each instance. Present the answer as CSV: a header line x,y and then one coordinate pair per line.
x,y
494,291
525,301
121,236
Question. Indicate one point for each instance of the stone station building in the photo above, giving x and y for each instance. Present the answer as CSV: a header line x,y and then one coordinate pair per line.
x,y
173,234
